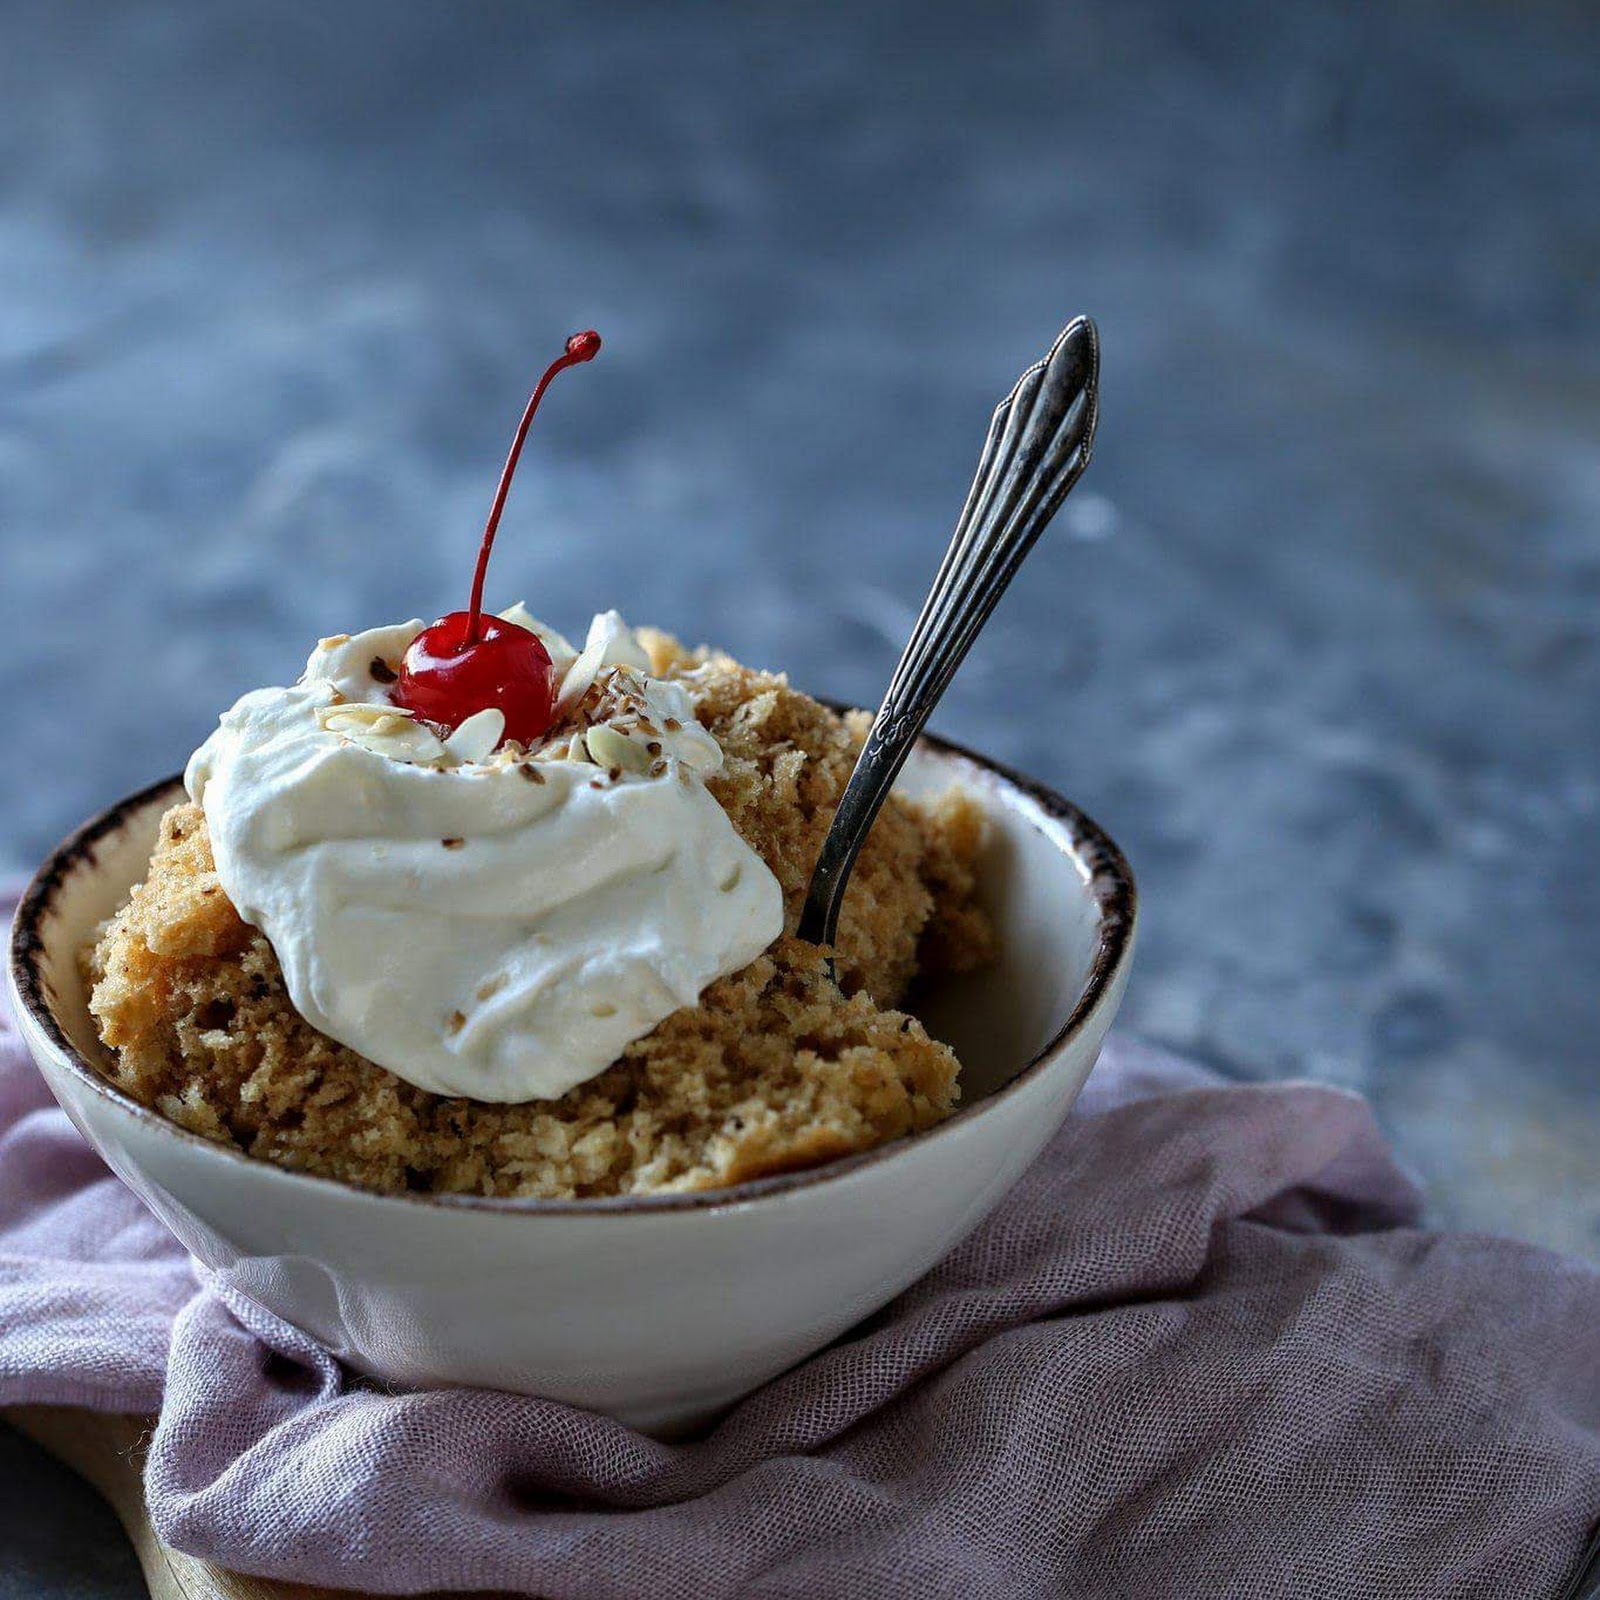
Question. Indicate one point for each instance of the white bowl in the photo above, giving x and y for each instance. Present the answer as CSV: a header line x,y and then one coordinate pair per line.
x,y
660,1311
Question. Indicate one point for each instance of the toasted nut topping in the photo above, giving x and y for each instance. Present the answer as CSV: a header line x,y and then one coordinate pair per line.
x,y
475,739
359,713
580,677
384,730
616,750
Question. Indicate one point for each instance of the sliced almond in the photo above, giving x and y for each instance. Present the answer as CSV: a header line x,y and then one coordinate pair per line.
x,y
614,749
361,713
580,675
475,739
695,748
562,654
396,737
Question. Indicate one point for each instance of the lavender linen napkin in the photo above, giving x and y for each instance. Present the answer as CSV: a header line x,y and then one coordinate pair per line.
x,y
1203,1348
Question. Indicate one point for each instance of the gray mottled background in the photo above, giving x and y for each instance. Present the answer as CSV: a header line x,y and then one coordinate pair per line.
x,y
1318,639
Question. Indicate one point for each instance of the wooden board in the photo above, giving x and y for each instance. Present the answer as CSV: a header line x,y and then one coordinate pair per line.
x,y
109,1453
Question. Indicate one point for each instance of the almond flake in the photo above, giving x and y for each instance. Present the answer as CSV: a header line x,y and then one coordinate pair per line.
x,y
475,739
360,713
614,749
389,731
580,676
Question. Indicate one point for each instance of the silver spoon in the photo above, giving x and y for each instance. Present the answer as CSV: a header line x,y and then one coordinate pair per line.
x,y
1036,450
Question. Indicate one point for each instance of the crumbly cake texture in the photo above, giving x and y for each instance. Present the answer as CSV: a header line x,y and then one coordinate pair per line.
x,y
776,1068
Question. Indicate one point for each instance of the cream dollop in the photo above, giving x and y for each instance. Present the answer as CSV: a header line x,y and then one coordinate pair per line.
x,y
483,921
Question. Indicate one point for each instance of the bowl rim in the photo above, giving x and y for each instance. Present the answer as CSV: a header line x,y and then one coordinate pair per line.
x,y
1108,879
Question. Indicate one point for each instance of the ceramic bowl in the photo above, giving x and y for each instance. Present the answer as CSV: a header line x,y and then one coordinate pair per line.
x,y
660,1311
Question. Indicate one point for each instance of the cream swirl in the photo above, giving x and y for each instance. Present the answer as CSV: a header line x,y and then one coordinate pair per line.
x,y
480,920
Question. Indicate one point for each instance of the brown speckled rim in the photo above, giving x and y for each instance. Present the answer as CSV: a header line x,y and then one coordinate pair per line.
x,y
1109,879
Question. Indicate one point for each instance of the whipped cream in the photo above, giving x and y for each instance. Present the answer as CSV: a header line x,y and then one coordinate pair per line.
x,y
482,920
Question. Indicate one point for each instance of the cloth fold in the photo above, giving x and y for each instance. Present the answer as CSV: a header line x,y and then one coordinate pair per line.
x,y
1204,1347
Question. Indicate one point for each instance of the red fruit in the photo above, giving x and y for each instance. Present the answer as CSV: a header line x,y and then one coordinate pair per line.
x,y
445,679
467,662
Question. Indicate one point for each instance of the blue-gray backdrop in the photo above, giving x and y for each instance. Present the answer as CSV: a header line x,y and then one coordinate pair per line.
x,y
1317,638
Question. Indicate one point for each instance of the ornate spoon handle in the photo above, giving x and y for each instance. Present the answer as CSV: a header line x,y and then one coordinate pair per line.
x,y
1036,449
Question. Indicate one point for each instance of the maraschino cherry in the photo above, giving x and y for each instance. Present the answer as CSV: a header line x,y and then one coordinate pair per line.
x,y
467,662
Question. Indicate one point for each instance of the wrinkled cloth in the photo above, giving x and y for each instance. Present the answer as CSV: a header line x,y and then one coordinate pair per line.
x,y
1203,1348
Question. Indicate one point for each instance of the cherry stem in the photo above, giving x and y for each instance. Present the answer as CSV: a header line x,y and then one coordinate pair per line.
x,y
580,347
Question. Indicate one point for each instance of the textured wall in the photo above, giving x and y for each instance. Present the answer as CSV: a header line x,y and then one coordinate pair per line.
x,y
1317,639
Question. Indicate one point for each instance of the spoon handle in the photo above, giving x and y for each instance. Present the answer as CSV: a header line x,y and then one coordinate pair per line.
x,y
1036,449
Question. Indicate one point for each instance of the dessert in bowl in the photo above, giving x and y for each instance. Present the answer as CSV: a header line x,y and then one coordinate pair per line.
x,y
454,1010
656,1308
561,969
